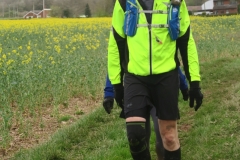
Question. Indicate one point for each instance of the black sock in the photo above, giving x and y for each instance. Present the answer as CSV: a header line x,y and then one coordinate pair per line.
x,y
172,155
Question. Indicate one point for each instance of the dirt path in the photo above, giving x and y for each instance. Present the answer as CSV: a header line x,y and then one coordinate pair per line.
x,y
37,130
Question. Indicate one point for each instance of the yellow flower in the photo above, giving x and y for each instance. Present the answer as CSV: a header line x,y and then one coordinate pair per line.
x,y
50,58
57,49
10,61
4,56
55,39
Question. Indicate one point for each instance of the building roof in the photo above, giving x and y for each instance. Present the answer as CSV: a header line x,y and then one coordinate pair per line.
x,y
194,8
44,10
225,7
36,12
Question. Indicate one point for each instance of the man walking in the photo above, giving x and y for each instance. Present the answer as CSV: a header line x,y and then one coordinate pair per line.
x,y
143,47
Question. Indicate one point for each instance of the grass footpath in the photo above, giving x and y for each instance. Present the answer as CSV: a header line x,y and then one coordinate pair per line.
x,y
211,133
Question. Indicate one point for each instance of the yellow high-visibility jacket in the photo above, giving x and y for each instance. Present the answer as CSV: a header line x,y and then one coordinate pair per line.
x,y
142,54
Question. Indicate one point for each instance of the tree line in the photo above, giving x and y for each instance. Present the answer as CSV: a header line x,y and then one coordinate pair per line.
x,y
59,8
66,8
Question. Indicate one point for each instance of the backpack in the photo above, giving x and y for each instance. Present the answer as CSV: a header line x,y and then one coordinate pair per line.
x,y
131,18
132,15
174,21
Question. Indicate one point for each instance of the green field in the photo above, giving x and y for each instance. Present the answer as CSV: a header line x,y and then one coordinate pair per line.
x,y
45,63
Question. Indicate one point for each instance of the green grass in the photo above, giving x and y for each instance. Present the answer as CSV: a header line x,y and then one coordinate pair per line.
x,y
214,128
44,67
44,63
64,118
210,133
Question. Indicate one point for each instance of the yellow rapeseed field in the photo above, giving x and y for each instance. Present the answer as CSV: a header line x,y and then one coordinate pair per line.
x,y
44,62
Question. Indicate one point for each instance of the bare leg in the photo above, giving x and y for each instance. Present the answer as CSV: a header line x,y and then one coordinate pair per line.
x,y
169,134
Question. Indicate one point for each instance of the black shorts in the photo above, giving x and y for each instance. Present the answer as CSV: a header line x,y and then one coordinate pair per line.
x,y
160,91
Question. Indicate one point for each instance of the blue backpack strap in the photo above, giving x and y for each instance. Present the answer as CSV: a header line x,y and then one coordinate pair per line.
x,y
131,18
173,21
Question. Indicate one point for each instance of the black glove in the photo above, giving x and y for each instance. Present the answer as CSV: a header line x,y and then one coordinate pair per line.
x,y
185,94
118,95
195,94
108,104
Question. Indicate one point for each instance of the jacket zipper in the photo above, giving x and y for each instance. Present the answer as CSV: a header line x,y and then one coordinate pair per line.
x,y
150,40
150,48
